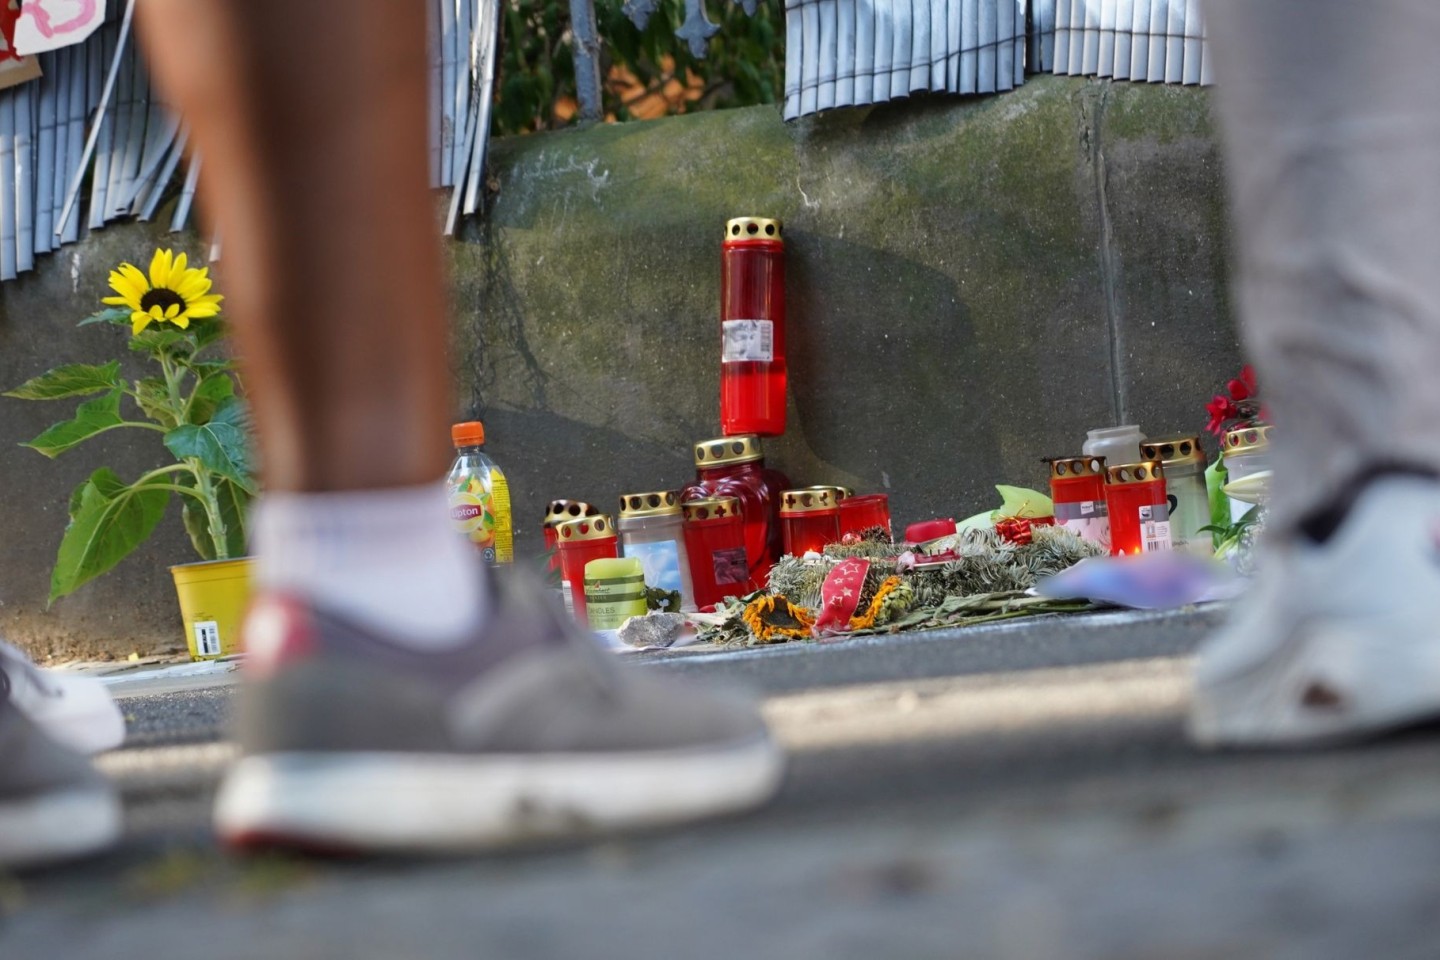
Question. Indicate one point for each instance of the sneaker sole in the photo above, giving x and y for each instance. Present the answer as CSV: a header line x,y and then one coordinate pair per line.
x,y
55,827
1388,680
391,802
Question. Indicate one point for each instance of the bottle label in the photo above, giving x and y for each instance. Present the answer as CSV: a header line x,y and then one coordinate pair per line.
x,y
660,561
1155,528
746,341
483,516
730,565
1088,519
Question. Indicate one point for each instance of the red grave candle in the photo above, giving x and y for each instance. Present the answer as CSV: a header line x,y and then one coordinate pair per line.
x,y
1077,487
752,328
580,541
810,519
1139,510
735,467
715,547
858,514
556,513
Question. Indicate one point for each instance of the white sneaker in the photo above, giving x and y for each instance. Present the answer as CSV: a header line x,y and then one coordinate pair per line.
x,y
73,710
1336,641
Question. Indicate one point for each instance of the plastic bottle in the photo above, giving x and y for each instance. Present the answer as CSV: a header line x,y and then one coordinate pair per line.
x,y
480,495
1116,444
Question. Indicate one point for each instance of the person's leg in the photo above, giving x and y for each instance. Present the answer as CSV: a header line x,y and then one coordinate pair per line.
x,y
1331,124
388,704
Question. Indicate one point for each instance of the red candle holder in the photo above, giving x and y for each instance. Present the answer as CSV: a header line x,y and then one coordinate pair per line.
x,y
752,328
1077,487
580,541
735,467
858,514
927,530
556,513
715,547
809,518
1139,511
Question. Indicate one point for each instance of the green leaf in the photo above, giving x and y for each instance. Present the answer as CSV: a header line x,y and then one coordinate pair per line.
x,y
1216,476
222,444
112,519
160,338
206,331
153,397
209,394
91,417
70,380
117,316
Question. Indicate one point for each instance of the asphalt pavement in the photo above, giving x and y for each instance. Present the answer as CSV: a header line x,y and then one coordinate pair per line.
x,y
1016,790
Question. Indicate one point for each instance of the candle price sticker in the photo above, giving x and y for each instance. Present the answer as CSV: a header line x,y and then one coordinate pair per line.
x,y
1155,528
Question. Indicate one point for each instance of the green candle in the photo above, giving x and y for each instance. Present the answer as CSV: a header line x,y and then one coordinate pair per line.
x,y
614,591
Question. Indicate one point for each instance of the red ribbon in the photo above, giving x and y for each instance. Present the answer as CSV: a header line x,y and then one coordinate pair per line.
x,y
840,596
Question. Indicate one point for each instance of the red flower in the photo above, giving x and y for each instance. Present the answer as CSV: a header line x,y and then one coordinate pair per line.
x,y
1243,388
1222,408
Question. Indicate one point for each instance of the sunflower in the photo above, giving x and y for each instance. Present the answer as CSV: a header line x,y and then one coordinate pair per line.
x,y
173,293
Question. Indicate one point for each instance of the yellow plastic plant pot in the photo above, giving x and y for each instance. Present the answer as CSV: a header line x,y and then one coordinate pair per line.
x,y
213,595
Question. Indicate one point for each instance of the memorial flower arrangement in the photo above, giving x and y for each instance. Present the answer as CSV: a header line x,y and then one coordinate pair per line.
x,y
193,401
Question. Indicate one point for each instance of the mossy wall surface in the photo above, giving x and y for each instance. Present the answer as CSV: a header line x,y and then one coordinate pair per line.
x,y
972,285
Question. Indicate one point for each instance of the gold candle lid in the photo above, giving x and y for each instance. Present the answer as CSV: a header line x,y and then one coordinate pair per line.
x,y
1135,472
561,510
841,493
1173,450
711,508
661,503
808,500
753,228
1077,467
1246,440
598,527
727,450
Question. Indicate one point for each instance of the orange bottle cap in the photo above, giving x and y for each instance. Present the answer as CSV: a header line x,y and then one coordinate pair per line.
x,y
471,433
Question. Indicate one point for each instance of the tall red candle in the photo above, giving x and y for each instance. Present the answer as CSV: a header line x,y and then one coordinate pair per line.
x,y
735,467
752,328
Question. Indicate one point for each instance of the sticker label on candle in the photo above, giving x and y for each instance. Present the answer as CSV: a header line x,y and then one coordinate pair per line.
x,y
748,341
1155,528
660,561
1087,519
730,565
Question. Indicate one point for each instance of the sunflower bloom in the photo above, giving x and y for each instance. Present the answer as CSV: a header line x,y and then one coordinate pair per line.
x,y
173,292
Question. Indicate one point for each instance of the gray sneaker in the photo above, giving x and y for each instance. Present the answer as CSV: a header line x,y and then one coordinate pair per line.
x,y
53,804
530,732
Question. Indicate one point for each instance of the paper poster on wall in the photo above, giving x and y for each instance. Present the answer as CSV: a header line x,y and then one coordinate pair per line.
x,y
52,24
14,68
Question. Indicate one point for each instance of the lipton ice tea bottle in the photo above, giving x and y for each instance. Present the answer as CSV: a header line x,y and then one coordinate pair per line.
x,y
752,328
479,495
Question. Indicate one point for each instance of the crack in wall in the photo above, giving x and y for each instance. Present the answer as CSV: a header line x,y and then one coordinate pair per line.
x,y
1094,119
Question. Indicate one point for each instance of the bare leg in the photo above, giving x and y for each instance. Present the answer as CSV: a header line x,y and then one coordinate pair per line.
x,y
311,118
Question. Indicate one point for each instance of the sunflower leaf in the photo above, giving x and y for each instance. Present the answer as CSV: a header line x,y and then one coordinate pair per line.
x,y
158,339
153,397
209,394
70,380
206,331
91,417
119,316
222,444
110,519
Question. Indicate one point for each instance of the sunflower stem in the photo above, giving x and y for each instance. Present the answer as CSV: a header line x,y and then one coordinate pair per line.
x,y
219,536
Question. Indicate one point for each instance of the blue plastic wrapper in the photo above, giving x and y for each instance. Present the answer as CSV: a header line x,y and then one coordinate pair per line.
x,y
1151,581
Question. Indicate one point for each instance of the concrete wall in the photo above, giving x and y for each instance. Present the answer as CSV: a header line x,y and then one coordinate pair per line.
x,y
971,286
